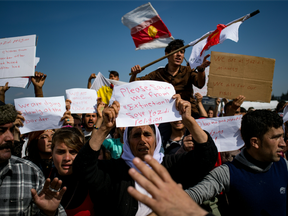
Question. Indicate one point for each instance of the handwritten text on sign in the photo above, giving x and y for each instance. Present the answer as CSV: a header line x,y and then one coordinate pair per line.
x,y
231,75
17,56
40,113
225,131
145,102
83,100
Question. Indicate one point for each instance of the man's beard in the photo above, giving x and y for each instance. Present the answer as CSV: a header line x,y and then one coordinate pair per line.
x,y
7,145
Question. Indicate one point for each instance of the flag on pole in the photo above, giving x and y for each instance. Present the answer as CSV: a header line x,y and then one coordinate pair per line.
x,y
147,28
222,32
103,88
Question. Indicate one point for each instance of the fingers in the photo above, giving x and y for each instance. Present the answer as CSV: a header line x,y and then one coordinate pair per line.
x,y
56,184
178,98
6,87
158,168
141,197
136,69
205,58
92,76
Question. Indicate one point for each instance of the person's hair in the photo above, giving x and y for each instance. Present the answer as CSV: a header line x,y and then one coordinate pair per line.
x,y
130,129
227,105
250,109
174,45
76,116
32,151
115,73
210,108
257,123
8,113
280,106
243,110
70,136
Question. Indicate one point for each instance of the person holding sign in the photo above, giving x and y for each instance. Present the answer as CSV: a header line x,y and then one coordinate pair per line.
x,y
181,77
256,180
109,180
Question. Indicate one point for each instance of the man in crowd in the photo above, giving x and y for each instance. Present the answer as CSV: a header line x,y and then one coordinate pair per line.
x,y
181,77
21,182
114,75
256,181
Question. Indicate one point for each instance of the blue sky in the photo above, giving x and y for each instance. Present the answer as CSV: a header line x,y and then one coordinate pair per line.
x,y
77,38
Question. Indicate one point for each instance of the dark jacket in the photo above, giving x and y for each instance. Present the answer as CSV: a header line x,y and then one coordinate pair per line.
x,y
108,180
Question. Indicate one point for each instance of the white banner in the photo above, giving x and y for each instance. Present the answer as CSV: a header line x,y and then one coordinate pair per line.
x,y
17,56
145,102
225,131
15,82
83,100
40,113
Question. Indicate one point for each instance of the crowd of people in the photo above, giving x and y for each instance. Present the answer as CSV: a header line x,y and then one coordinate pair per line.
x,y
91,167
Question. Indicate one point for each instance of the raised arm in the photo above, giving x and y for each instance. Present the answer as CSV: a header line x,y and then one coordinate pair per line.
x,y
231,111
38,81
134,71
201,71
3,89
202,111
184,108
109,121
92,76
217,102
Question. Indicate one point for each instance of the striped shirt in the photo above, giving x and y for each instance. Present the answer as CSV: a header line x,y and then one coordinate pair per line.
x,y
17,179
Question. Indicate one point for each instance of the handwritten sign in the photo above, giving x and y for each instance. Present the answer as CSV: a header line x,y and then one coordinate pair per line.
x,y
203,90
40,113
232,75
17,56
83,100
225,131
15,82
145,102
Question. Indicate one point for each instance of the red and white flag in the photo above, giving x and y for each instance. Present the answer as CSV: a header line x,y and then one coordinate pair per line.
x,y
222,32
147,28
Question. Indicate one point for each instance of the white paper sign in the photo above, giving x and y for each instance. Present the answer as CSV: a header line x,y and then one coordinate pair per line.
x,y
17,56
15,82
225,131
203,90
145,102
83,100
40,113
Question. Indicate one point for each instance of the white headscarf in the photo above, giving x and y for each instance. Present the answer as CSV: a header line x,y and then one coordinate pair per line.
x,y
127,155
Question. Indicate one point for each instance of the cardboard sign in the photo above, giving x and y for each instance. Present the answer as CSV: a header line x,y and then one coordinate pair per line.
x,y
40,113
144,103
232,75
17,56
225,131
83,100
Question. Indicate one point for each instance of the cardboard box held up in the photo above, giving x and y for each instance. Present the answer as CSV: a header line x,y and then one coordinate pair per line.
x,y
232,75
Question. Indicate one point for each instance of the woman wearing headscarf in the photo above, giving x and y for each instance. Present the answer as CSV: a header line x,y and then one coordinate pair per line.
x,y
108,180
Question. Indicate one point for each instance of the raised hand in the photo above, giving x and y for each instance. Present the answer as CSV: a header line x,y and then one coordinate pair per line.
x,y
164,190
50,197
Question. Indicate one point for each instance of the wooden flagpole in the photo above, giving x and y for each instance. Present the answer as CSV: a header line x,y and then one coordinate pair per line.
x,y
186,46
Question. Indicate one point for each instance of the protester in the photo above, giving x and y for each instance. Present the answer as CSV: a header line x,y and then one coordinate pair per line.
x,y
3,90
77,121
66,144
255,182
172,135
22,188
181,77
210,112
114,75
109,180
